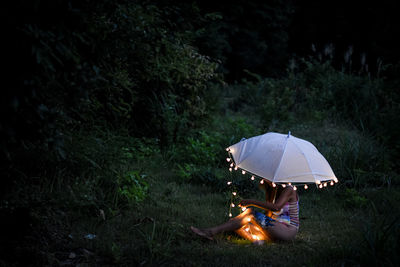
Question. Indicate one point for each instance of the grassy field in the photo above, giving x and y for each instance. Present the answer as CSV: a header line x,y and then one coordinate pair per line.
x,y
333,231
353,223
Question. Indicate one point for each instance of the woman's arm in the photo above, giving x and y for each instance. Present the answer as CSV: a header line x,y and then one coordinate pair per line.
x,y
278,205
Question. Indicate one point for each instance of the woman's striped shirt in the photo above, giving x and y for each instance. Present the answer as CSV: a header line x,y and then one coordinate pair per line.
x,y
289,214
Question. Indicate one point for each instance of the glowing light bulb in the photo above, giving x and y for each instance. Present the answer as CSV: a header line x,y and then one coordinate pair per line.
x,y
254,236
331,183
243,172
236,168
247,229
325,184
289,183
262,181
244,208
227,149
320,186
230,169
252,178
294,188
234,193
283,185
305,187
232,205
317,181
228,159
273,185
230,214
248,219
229,183
336,180
231,165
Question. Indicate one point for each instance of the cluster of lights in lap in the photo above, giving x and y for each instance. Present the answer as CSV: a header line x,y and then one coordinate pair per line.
x,y
232,167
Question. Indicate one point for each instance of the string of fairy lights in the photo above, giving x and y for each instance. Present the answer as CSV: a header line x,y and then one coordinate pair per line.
x,y
234,194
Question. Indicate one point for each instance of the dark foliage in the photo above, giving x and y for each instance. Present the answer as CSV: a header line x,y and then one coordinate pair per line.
x,y
94,91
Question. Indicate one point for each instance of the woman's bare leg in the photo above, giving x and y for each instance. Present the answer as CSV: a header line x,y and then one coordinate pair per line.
x,y
231,225
281,231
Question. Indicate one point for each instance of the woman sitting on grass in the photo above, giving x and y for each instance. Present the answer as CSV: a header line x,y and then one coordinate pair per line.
x,y
282,223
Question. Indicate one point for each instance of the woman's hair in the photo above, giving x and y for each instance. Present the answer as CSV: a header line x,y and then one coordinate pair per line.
x,y
270,194
270,191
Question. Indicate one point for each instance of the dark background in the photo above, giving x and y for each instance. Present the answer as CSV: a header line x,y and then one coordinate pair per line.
x,y
159,69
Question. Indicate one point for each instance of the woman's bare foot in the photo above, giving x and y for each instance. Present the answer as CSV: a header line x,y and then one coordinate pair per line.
x,y
201,233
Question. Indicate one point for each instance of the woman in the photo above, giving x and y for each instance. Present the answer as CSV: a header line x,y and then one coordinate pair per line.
x,y
282,207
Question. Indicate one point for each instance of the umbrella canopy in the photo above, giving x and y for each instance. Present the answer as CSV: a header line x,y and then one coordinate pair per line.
x,y
282,158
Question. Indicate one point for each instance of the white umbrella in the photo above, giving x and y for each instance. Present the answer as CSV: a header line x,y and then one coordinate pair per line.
x,y
282,158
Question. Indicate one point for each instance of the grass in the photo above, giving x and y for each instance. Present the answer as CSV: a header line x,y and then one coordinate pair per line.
x,y
88,222
157,232
342,225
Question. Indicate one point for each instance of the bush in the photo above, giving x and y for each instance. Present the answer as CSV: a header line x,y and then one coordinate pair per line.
x,y
203,158
132,187
105,63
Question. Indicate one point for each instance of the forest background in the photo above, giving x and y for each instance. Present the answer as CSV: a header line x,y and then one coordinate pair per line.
x,y
115,116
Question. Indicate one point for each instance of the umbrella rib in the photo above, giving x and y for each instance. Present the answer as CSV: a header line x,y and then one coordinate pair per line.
x,y
280,161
